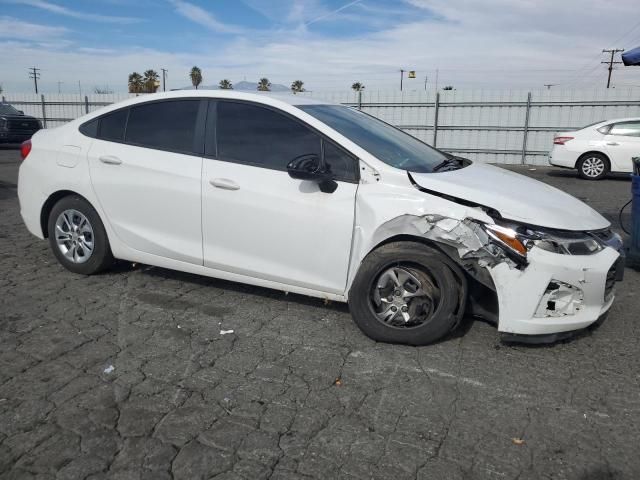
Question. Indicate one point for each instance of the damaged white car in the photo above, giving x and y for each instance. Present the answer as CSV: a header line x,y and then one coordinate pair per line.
x,y
322,200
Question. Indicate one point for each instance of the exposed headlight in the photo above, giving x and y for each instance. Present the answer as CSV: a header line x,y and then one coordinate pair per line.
x,y
519,239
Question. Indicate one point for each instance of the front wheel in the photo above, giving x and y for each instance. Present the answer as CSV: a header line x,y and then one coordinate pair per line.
x,y
593,166
408,293
77,236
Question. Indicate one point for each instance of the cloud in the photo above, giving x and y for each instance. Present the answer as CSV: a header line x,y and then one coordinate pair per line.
x,y
496,44
332,12
15,29
68,12
202,17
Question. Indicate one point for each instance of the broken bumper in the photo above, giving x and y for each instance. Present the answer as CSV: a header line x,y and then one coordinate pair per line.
x,y
555,293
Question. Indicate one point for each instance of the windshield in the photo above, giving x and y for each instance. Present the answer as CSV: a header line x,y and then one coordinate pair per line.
x,y
6,109
387,143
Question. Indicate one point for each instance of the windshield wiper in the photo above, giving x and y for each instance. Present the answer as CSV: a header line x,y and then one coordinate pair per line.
x,y
450,163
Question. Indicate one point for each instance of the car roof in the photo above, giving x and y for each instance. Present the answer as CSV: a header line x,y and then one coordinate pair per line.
x,y
615,120
289,98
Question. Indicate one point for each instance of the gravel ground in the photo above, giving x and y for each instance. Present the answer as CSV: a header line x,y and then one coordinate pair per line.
x,y
126,375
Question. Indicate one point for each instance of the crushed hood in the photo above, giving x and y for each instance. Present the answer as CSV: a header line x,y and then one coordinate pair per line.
x,y
515,196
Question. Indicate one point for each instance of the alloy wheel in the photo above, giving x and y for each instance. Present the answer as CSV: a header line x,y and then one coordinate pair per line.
x,y
593,167
74,236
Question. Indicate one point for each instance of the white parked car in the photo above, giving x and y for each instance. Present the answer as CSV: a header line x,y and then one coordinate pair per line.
x,y
323,200
599,148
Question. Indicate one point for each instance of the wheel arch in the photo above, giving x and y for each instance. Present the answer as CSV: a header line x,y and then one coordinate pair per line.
x,y
47,206
480,297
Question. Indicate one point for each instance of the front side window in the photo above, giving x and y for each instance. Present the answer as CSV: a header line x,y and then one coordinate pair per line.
x,y
628,129
112,125
260,136
169,125
387,143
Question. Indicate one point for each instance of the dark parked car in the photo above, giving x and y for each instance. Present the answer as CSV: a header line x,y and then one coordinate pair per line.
x,y
15,126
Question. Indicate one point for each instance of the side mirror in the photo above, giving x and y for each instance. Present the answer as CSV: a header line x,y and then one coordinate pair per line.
x,y
305,167
20,112
309,167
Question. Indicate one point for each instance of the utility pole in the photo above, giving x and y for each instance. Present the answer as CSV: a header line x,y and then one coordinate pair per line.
x,y
164,76
59,83
549,85
612,51
35,74
426,77
401,75
436,79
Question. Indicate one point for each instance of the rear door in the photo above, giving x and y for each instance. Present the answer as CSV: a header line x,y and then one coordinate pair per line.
x,y
622,143
260,222
146,166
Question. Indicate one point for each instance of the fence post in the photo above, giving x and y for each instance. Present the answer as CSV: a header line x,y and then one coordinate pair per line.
x,y
86,104
359,99
526,130
435,120
44,112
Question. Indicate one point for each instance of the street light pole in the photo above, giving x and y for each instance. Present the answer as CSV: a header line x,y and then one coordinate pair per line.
x,y
401,75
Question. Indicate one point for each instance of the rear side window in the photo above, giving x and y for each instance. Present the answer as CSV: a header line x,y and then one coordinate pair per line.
x,y
260,136
167,125
90,129
112,125
628,129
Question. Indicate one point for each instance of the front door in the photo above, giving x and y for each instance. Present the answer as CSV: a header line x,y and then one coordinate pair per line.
x,y
260,222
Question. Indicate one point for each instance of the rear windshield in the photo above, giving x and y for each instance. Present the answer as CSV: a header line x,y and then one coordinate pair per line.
x,y
385,142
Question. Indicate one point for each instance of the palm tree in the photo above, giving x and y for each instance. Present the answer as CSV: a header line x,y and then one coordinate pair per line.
x,y
151,81
135,83
297,86
448,87
225,84
196,77
264,85
357,86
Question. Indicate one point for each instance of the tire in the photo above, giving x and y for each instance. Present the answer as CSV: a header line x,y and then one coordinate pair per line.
x,y
432,316
87,261
593,166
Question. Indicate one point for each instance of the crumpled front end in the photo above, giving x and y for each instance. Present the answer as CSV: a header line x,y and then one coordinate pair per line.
x,y
554,293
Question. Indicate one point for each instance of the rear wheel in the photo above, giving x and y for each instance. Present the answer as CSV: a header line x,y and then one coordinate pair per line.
x,y
405,292
593,166
77,236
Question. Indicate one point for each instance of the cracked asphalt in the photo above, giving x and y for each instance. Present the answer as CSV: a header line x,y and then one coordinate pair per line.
x,y
126,375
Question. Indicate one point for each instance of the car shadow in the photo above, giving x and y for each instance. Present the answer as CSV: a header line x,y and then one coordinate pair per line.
x,y
573,174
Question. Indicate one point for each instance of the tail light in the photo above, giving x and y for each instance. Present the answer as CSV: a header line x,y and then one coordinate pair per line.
x,y
561,140
25,149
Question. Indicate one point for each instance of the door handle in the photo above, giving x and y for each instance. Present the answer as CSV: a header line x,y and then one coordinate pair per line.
x,y
110,160
224,183
612,143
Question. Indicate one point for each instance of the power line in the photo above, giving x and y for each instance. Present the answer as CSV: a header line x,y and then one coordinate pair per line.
x,y
612,51
35,74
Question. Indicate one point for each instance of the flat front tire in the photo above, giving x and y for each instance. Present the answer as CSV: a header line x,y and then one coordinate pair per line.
x,y
406,292
77,236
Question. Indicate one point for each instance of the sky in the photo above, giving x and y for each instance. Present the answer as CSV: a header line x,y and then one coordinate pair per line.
x,y
328,44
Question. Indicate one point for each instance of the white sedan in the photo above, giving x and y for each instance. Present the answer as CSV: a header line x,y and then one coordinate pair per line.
x,y
322,200
599,148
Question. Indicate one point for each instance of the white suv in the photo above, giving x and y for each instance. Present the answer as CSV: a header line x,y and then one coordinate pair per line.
x,y
322,200
599,148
